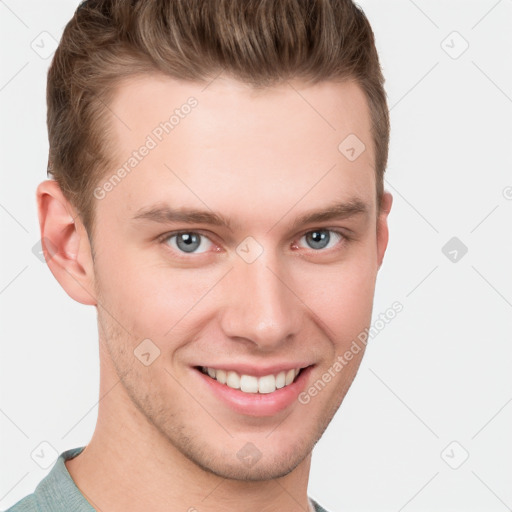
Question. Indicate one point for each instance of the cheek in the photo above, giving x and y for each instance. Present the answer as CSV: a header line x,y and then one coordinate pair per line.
x,y
153,299
340,296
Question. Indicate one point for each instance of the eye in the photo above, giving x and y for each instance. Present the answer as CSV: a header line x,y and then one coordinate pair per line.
x,y
319,239
187,241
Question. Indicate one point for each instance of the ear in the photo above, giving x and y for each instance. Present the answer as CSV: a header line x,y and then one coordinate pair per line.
x,y
382,226
65,243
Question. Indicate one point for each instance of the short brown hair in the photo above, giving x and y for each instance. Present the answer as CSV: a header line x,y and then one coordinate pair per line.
x,y
258,42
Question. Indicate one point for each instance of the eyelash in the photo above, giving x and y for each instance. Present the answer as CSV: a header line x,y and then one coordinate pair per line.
x,y
344,240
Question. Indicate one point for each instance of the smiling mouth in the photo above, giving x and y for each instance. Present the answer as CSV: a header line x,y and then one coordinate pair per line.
x,y
250,383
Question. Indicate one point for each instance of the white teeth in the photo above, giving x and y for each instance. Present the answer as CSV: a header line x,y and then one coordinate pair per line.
x,y
267,384
250,383
233,380
221,376
290,375
280,380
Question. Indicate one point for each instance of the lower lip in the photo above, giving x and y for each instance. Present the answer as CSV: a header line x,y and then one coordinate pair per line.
x,y
257,404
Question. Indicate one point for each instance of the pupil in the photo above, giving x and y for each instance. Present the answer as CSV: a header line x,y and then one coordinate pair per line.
x,y
188,242
319,239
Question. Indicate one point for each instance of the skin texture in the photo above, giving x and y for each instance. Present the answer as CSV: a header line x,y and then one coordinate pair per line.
x,y
262,159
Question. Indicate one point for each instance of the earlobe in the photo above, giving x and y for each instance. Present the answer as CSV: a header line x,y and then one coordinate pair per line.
x,y
65,243
382,227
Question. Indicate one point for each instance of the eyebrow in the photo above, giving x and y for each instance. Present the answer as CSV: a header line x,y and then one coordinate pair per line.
x,y
162,213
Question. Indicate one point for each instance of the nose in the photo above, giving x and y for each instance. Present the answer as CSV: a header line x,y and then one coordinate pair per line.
x,y
260,304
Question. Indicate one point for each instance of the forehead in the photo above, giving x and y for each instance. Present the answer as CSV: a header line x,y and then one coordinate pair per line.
x,y
228,147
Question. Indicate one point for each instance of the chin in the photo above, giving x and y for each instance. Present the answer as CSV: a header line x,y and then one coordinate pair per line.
x,y
268,467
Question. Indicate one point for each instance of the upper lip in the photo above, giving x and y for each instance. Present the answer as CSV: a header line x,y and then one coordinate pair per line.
x,y
256,371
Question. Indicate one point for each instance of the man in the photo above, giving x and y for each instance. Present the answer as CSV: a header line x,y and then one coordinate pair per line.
x,y
217,194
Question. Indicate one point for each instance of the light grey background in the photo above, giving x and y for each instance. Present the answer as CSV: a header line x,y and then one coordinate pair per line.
x,y
435,384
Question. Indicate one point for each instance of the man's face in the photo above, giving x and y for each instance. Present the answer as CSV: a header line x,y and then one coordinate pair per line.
x,y
263,295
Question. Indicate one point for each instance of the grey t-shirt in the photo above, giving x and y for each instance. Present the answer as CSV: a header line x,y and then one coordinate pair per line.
x,y
57,492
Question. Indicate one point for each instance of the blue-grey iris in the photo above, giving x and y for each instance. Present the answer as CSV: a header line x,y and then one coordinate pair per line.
x,y
320,239
188,242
